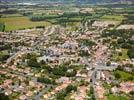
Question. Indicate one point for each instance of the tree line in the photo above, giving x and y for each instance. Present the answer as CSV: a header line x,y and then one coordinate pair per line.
x,y
64,18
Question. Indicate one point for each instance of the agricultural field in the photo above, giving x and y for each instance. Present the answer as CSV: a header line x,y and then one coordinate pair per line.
x,y
125,10
15,23
113,17
11,15
72,26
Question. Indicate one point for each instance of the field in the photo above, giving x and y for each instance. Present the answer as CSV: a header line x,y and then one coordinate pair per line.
x,y
107,86
3,55
124,55
126,10
124,76
114,97
11,15
113,17
15,23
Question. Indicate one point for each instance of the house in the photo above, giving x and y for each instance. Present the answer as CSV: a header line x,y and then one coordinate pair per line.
x,y
70,44
128,69
98,75
103,24
115,90
63,80
86,10
107,76
126,27
100,92
127,87
23,97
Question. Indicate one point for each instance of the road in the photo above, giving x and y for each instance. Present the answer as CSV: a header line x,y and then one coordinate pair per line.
x,y
97,63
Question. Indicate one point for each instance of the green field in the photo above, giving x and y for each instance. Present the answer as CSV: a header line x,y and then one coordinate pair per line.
x,y
107,86
15,23
115,97
113,17
123,57
124,76
11,15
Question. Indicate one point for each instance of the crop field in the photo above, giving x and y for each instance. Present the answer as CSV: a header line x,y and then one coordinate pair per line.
x,y
10,15
126,10
15,23
113,17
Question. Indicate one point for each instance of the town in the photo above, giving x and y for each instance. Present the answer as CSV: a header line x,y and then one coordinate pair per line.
x,y
84,54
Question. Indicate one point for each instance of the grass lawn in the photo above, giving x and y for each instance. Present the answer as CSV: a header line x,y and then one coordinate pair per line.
x,y
123,57
107,86
124,76
15,23
114,97
4,53
113,17
124,54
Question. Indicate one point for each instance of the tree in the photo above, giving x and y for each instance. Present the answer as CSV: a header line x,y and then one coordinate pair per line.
x,y
117,75
61,95
47,67
121,40
70,88
120,53
84,53
5,47
91,90
93,97
119,67
71,74
60,70
2,27
126,46
108,63
131,92
4,56
33,62
130,78
45,80
3,97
